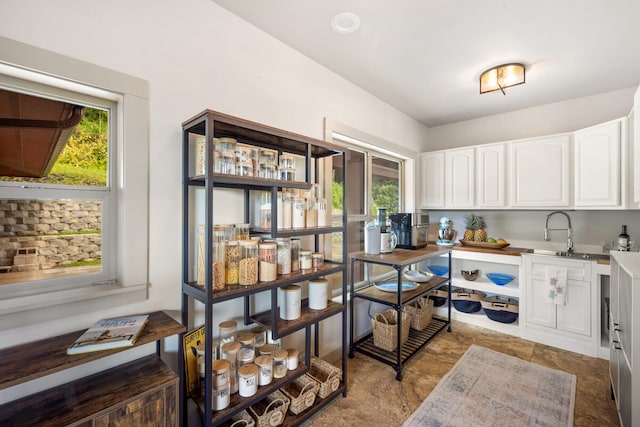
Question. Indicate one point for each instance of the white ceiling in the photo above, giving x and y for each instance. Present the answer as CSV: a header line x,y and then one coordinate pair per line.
x,y
425,56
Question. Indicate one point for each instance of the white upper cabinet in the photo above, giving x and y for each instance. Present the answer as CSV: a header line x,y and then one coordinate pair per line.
x,y
540,173
597,166
490,176
460,178
432,179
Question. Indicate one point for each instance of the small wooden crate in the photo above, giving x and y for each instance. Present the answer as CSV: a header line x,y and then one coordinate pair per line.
x,y
385,329
270,411
302,393
326,375
421,312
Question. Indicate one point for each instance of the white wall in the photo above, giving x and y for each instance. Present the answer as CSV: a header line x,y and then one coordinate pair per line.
x,y
195,55
559,117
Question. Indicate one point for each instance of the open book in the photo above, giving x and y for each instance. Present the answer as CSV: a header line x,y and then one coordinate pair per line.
x,y
110,333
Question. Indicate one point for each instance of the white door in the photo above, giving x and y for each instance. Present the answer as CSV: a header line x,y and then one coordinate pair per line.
x,y
597,166
635,142
432,179
540,172
490,176
539,311
575,315
460,178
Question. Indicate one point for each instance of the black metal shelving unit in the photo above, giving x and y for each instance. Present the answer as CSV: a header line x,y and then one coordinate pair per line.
x,y
211,124
398,260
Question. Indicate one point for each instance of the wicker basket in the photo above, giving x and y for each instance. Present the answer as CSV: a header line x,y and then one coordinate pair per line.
x,y
420,312
241,419
270,411
302,393
385,329
326,375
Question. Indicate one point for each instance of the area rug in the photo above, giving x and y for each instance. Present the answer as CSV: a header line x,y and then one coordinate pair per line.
x,y
487,388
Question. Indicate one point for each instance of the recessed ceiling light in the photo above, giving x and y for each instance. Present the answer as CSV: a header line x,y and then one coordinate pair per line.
x,y
345,23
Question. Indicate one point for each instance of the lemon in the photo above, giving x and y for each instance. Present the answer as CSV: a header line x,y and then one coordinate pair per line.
x,y
501,241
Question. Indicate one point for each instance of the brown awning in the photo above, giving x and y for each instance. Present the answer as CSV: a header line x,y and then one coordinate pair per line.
x,y
33,132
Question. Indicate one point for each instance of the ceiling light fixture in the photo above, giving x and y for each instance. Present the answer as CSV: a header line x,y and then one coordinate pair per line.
x,y
501,77
345,23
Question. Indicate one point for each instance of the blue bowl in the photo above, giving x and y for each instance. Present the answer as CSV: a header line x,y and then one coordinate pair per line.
x,y
439,270
500,279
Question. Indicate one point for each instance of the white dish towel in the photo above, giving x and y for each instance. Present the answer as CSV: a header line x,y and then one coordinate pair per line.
x,y
556,282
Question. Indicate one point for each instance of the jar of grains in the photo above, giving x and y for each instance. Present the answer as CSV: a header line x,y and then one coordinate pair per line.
x,y
231,261
279,363
242,231
284,255
248,267
268,261
295,254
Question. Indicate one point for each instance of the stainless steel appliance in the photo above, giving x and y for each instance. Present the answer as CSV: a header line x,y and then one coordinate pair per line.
x,y
411,229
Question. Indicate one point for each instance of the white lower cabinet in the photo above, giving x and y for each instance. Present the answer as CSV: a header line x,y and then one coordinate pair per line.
x,y
570,326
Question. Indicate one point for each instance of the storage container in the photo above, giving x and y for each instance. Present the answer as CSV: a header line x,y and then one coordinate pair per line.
x,y
503,310
270,411
327,376
385,329
292,359
318,289
290,297
220,371
268,253
279,363
467,300
265,369
248,266
421,312
305,260
295,254
231,261
247,380
302,393
247,346
284,255
268,171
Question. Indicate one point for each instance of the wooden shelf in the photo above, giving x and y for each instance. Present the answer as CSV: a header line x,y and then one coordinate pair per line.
x,y
26,362
307,317
372,293
87,398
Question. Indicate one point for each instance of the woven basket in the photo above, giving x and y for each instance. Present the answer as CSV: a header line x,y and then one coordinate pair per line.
x,y
420,312
326,375
385,329
302,393
270,411
241,419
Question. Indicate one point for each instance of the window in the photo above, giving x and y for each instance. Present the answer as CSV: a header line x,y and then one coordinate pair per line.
x,y
116,199
375,179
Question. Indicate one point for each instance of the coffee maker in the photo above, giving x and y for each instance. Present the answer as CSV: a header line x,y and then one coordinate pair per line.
x,y
411,229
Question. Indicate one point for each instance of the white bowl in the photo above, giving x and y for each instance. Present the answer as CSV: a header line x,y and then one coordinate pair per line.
x,y
418,276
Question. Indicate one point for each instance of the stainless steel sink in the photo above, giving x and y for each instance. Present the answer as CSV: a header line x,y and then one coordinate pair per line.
x,y
566,254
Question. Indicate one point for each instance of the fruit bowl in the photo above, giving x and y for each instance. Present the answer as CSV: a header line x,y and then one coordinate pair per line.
x,y
439,270
418,276
500,279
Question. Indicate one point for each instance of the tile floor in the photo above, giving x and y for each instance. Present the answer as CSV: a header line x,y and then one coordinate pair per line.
x,y
375,398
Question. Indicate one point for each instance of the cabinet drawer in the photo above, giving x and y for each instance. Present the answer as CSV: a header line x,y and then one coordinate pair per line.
x,y
576,270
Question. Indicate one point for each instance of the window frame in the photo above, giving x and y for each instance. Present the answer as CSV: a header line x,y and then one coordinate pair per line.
x,y
128,278
372,146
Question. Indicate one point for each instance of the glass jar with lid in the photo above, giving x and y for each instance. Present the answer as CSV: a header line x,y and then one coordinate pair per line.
x,y
295,254
227,331
247,351
279,363
305,260
298,212
225,144
228,162
242,231
287,174
268,254
248,266
229,351
287,161
231,261
268,171
243,153
217,257
284,255
244,168
267,155
321,212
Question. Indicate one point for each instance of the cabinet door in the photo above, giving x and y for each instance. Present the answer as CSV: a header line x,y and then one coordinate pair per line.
x,y
432,177
540,172
460,178
490,162
539,312
597,166
575,315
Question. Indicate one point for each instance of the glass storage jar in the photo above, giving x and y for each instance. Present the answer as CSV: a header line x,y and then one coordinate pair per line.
x,y
292,359
231,261
229,351
295,254
287,161
298,210
228,162
244,168
279,363
227,331
287,174
242,231
311,214
243,153
247,346
225,144
268,156
248,266
220,372
321,213
220,397
268,261
217,258
287,203
265,369
268,171
260,334
284,255
317,259
247,380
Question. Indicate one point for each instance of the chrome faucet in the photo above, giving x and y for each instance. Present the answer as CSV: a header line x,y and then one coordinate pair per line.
x,y
568,229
